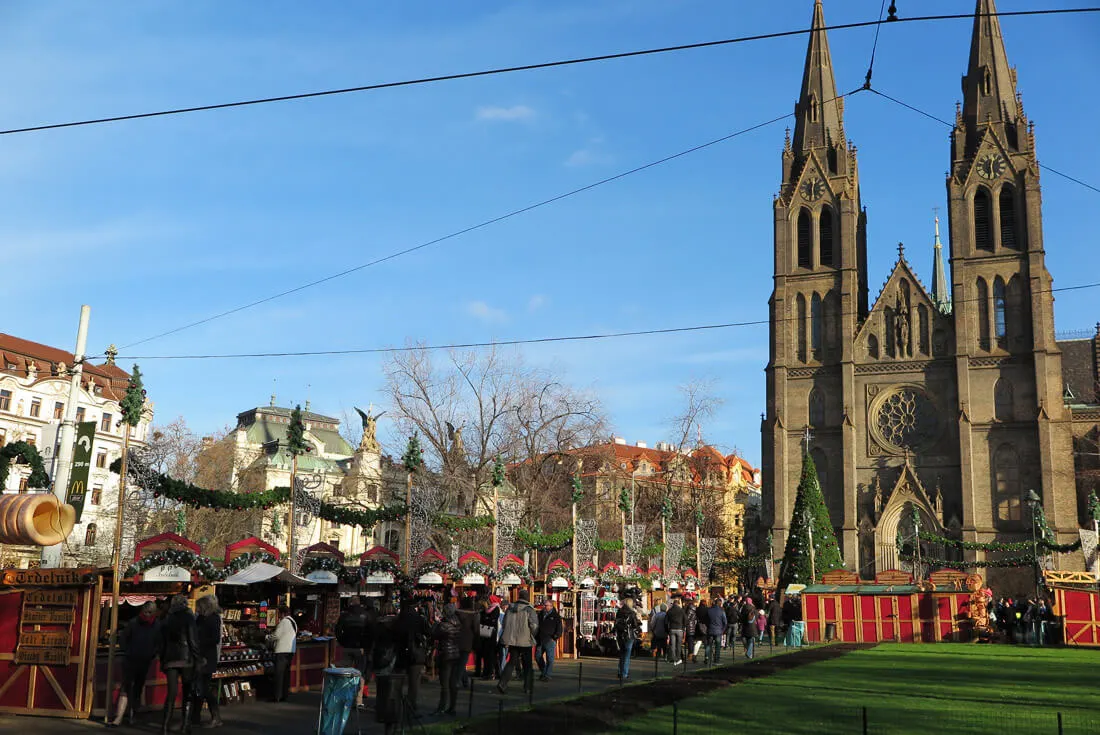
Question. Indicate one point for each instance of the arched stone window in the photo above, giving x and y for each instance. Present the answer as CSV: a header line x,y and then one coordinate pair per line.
x,y
801,326
983,314
1006,486
923,330
805,239
832,321
983,220
89,535
825,235
817,326
817,408
872,347
1003,400
999,316
1007,203
1019,311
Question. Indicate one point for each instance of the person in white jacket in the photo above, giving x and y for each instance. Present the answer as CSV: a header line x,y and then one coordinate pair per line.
x,y
286,632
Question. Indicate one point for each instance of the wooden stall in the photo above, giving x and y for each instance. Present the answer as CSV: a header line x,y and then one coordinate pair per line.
x,y
48,624
891,608
560,588
1076,597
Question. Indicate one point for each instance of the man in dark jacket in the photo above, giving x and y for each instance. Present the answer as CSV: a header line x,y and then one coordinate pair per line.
x,y
716,631
731,611
676,620
179,659
351,630
775,617
546,641
469,623
521,625
748,625
139,639
414,639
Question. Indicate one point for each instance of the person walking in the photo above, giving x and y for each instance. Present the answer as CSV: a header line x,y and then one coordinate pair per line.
x,y
351,629
628,628
487,665
691,624
413,634
775,617
761,626
521,625
716,631
388,655
469,624
658,629
179,658
502,650
730,609
209,626
675,621
446,634
702,625
139,640
748,625
284,639
550,630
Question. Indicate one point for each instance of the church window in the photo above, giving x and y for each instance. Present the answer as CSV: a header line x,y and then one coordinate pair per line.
x,y
1006,485
804,239
817,408
800,324
999,313
983,220
1002,400
832,159
987,81
393,540
872,347
816,326
825,236
1017,306
923,329
1008,217
983,314
813,107
89,535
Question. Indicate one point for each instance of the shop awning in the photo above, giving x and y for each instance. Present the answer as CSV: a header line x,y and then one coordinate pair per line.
x,y
262,572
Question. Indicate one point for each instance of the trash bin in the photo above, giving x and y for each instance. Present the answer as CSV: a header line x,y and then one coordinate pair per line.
x,y
338,694
830,631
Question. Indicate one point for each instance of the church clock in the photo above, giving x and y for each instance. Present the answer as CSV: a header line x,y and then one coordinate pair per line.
x,y
813,188
991,166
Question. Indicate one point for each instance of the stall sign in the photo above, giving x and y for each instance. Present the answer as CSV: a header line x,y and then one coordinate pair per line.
x,y
511,579
322,576
674,585
167,573
380,578
56,616
50,597
656,584
588,582
49,577
690,585
559,583
433,578
473,579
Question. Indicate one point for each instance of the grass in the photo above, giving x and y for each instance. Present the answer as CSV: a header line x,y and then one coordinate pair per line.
x,y
942,688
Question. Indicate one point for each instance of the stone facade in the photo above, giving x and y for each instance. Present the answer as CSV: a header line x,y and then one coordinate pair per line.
x,y
952,404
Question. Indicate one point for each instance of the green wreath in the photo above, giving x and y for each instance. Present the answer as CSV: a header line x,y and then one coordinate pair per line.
x,y
29,454
177,558
520,570
444,568
246,560
476,567
463,523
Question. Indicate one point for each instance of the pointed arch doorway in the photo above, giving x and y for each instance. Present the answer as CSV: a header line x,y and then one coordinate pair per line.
x,y
897,515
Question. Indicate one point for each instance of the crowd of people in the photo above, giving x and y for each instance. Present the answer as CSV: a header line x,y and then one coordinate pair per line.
x,y
397,647
1021,620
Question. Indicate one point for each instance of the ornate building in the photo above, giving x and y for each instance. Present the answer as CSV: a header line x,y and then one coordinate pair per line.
x,y
952,404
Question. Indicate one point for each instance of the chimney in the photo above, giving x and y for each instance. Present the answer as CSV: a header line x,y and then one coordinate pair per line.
x,y
640,445
618,440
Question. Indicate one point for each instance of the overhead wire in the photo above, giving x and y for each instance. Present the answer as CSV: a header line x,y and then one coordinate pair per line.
x,y
533,340
525,67
940,120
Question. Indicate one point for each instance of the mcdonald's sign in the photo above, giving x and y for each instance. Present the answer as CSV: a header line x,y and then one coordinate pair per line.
x,y
82,464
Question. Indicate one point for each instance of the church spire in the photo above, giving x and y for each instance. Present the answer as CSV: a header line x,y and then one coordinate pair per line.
x,y
819,116
989,87
940,296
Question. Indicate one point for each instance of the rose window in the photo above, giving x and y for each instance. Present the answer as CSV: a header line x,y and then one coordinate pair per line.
x,y
906,418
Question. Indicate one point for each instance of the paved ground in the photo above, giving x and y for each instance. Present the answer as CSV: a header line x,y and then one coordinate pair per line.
x,y
299,716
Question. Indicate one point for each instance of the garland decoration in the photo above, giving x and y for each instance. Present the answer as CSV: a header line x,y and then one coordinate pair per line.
x,y
413,458
498,472
476,567
654,549
746,562
666,508
29,454
1094,506
624,500
177,558
440,566
346,515
133,401
995,546
296,434
463,523
520,570
700,517
616,545
246,560
381,565
1012,561
544,541
328,564
578,490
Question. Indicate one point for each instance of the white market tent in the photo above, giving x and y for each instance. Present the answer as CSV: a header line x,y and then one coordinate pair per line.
x,y
262,572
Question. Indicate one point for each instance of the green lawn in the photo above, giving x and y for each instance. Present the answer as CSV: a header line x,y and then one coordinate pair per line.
x,y
941,688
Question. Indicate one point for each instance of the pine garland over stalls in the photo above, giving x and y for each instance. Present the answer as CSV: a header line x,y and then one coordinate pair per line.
x,y
809,505
30,455
184,558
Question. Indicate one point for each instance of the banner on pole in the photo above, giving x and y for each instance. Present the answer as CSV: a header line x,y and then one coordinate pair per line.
x,y
82,464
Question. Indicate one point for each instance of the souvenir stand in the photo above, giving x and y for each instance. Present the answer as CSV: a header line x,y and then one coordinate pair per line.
x,y
164,566
379,573
48,624
250,597
323,565
892,608
474,574
559,586
514,576
431,574
657,594
1076,597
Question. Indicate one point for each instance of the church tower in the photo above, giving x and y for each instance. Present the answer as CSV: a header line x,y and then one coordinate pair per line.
x,y
819,296
1011,419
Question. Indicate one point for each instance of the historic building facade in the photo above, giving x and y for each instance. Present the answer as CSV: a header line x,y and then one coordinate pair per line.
x,y
949,403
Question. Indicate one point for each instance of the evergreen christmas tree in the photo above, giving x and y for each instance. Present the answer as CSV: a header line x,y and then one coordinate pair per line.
x,y
134,401
296,433
809,512
414,456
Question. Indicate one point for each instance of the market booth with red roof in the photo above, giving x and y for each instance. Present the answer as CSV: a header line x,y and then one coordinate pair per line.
x,y
1076,597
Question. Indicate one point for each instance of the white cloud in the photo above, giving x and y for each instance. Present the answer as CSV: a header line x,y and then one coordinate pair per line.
x,y
507,114
484,312
536,302
586,157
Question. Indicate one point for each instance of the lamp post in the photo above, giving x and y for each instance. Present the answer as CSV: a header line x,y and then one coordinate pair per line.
x,y
1036,504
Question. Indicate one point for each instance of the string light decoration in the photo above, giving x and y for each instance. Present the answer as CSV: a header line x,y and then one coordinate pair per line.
x,y
425,502
674,545
635,539
509,511
585,540
708,550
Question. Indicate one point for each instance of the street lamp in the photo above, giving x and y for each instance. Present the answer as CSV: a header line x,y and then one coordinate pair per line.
x,y
1035,502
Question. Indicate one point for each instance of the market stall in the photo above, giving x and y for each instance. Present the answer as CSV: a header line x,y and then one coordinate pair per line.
x,y
323,565
513,575
380,572
559,587
1076,597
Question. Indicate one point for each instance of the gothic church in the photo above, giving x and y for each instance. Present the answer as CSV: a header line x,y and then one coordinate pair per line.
x,y
951,403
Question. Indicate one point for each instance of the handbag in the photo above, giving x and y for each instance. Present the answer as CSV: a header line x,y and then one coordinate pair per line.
x,y
486,631
698,647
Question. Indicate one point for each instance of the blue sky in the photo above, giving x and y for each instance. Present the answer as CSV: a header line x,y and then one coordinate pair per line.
x,y
159,222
